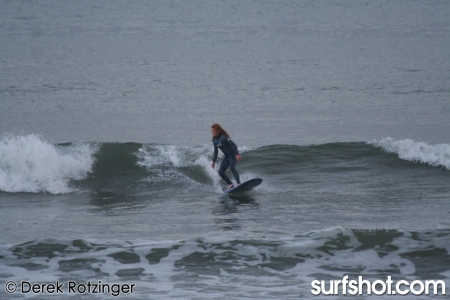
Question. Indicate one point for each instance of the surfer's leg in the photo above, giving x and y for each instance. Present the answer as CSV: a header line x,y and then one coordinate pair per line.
x,y
233,169
223,167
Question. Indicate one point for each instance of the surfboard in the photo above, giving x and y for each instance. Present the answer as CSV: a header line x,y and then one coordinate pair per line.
x,y
245,186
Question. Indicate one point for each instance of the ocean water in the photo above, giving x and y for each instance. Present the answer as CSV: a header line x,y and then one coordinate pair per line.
x,y
341,107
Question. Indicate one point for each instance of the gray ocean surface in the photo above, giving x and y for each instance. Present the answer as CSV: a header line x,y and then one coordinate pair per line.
x,y
341,107
273,72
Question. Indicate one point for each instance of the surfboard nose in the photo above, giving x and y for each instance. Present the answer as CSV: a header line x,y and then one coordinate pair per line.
x,y
245,186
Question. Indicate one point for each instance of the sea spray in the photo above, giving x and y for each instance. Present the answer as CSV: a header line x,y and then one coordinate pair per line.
x,y
31,164
165,161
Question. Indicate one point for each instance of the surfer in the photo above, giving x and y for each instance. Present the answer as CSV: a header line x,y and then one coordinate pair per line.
x,y
222,141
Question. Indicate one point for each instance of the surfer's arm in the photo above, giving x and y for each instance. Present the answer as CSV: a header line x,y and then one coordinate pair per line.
x,y
235,149
233,146
216,152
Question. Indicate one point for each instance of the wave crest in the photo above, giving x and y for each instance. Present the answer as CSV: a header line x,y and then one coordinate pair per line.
x,y
435,155
30,164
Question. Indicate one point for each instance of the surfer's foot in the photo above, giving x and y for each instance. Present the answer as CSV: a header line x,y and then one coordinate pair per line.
x,y
231,186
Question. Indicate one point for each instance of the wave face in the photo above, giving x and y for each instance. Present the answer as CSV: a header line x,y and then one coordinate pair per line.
x,y
30,164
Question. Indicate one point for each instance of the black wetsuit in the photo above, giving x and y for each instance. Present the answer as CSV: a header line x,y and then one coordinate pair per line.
x,y
230,150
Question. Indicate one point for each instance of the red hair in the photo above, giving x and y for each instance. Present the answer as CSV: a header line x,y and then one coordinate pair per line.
x,y
220,130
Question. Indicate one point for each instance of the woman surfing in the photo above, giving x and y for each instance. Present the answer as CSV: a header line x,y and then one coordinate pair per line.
x,y
222,141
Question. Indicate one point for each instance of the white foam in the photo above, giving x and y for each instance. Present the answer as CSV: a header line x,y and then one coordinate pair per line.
x,y
30,164
160,158
435,155
186,156
226,268
178,157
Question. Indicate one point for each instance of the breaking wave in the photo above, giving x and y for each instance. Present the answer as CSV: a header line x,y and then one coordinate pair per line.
x,y
31,164
435,155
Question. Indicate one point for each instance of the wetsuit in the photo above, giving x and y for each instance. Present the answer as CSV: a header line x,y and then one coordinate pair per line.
x,y
230,150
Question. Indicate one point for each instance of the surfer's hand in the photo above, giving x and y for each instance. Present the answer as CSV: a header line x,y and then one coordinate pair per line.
x,y
213,165
238,157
